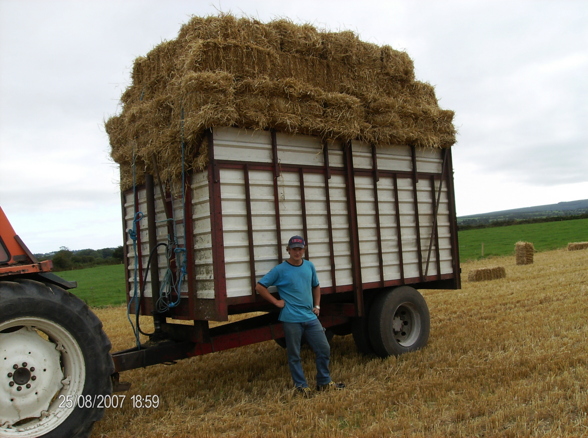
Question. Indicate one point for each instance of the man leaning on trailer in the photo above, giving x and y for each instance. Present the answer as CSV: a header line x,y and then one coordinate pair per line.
x,y
300,297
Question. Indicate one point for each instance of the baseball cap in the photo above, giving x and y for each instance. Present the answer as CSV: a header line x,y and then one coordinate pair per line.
x,y
296,242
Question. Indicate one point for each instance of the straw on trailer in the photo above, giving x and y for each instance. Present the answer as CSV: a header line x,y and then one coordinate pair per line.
x,y
228,71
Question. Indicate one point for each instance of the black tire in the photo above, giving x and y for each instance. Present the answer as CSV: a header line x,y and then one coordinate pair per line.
x,y
399,322
55,364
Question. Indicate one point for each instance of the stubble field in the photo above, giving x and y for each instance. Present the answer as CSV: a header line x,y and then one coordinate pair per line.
x,y
506,357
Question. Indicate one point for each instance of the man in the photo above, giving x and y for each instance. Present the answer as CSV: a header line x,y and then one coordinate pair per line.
x,y
300,298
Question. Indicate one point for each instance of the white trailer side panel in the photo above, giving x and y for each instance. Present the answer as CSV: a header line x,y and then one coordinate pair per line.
x,y
403,214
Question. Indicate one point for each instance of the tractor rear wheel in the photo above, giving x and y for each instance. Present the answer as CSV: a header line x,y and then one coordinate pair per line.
x,y
55,364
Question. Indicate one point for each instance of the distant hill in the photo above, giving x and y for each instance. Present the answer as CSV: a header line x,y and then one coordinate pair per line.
x,y
559,211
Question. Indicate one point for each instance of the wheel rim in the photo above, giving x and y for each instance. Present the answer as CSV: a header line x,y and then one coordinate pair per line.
x,y
406,324
42,372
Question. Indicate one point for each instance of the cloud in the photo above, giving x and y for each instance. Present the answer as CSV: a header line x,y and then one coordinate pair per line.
x,y
514,73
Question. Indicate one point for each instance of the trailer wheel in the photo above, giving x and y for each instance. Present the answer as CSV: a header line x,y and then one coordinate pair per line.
x,y
399,322
55,364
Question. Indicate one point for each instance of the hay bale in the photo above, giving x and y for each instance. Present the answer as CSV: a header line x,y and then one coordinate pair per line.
x,y
484,274
228,71
524,253
575,246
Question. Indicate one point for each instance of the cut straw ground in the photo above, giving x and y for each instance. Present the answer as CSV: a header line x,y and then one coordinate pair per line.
x,y
505,358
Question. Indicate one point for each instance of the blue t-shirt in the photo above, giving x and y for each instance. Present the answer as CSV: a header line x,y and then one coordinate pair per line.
x,y
294,284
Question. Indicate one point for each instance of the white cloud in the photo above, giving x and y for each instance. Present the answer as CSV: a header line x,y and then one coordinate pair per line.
x,y
514,73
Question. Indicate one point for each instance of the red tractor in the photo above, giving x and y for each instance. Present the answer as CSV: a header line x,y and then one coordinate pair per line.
x,y
55,364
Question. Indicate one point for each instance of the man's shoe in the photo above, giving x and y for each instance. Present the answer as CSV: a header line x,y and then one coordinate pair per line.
x,y
330,386
305,392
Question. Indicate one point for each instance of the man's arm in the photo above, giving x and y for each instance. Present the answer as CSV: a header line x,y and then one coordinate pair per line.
x,y
265,294
316,299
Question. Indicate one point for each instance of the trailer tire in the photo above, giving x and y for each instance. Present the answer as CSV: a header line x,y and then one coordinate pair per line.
x,y
55,365
399,322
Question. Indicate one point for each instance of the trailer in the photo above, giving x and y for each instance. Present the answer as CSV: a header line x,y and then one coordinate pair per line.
x,y
233,138
379,224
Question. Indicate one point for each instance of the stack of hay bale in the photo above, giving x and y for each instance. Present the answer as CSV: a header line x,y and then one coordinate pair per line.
x,y
484,274
575,246
228,71
524,253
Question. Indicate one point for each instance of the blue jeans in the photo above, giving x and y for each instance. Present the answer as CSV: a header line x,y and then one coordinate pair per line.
x,y
315,336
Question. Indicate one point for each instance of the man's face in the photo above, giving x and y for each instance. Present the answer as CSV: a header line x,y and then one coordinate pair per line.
x,y
296,254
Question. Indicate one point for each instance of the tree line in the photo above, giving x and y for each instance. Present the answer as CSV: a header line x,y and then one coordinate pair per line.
x,y
66,259
476,223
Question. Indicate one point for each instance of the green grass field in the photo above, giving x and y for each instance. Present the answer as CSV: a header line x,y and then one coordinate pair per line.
x,y
104,285
500,241
100,286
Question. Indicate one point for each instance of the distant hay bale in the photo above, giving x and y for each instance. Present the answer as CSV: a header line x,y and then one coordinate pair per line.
x,y
228,71
484,274
575,246
524,253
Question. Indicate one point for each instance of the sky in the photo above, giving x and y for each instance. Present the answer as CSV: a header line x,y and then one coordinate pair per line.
x,y
515,73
